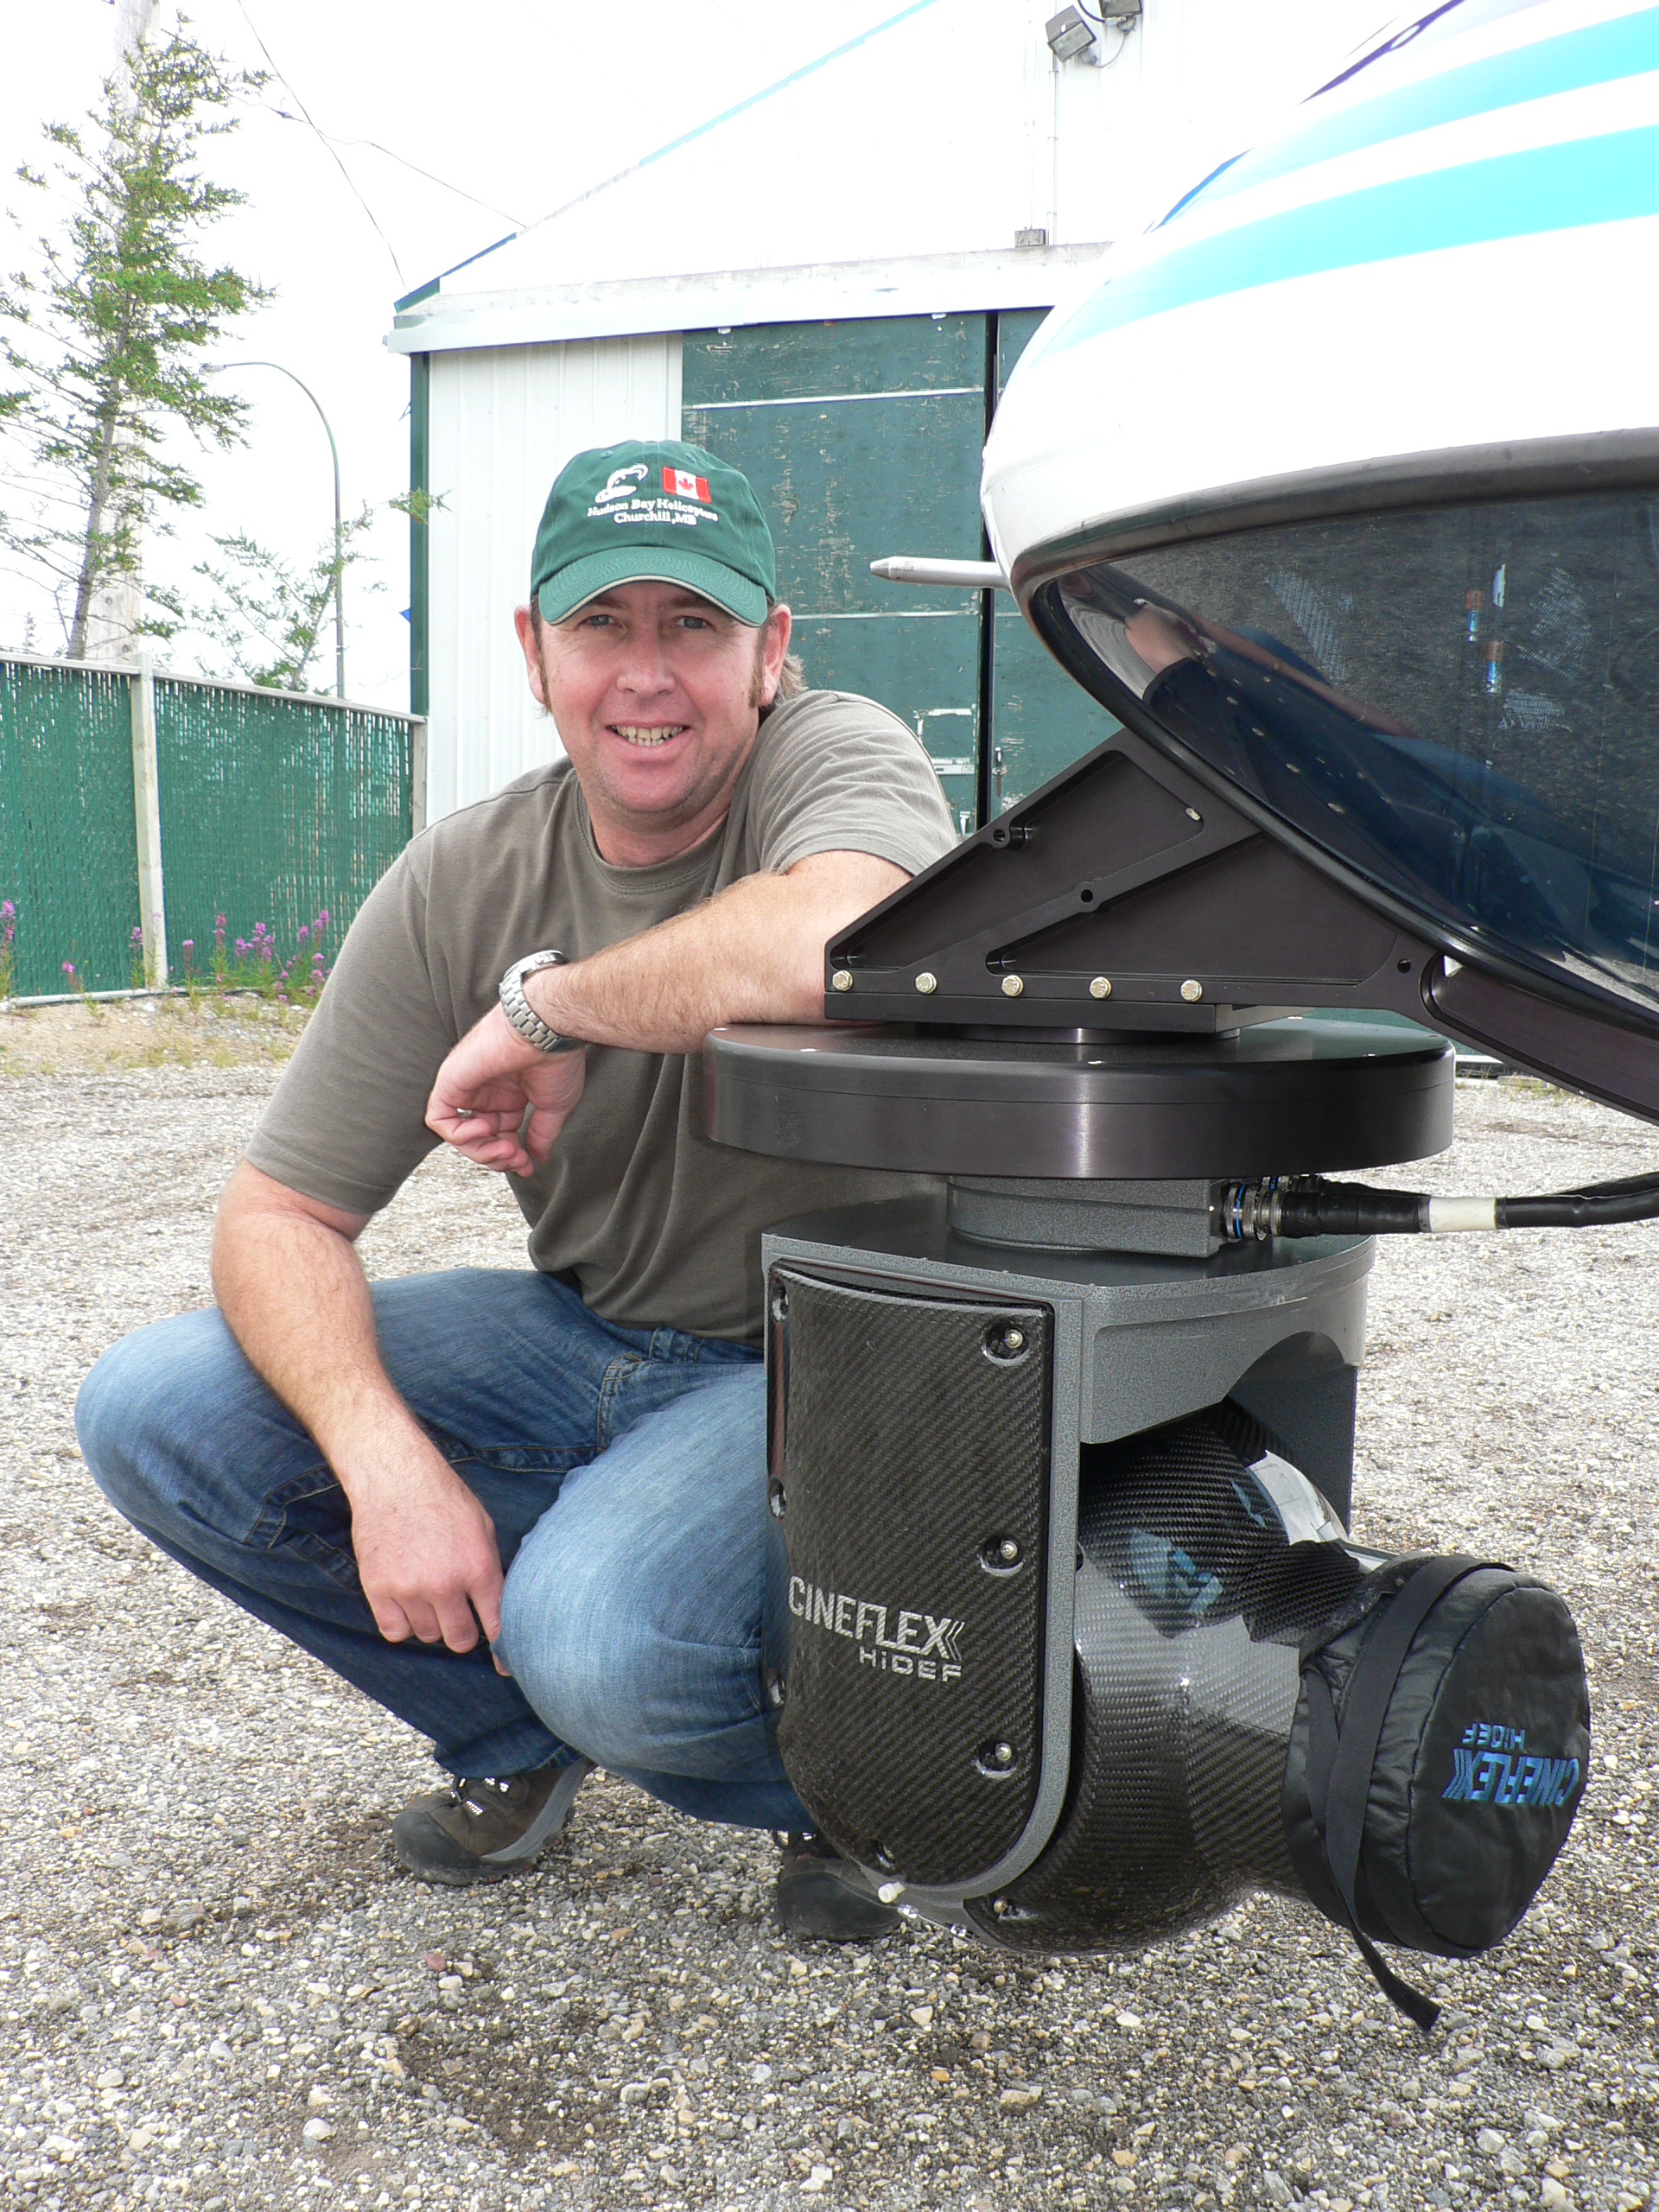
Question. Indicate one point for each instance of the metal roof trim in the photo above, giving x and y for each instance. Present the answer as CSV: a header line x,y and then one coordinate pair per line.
x,y
1024,277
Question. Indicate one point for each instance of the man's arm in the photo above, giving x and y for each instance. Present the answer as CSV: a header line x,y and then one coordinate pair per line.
x,y
293,1290
755,953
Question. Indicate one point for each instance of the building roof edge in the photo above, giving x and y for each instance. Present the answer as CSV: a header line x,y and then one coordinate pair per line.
x,y
1030,276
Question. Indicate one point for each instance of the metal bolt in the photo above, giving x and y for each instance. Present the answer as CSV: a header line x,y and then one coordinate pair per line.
x,y
1100,988
1191,991
1001,1907
1015,1339
1001,1754
841,979
1012,986
890,1892
1008,1551
926,982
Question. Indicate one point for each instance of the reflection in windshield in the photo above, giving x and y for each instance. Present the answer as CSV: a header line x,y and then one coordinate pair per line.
x,y
1459,702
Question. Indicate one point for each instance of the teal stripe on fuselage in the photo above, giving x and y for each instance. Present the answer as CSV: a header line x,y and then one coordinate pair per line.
x,y
1628,47
1615,179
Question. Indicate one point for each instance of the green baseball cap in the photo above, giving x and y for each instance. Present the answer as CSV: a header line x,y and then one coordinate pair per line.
x,y
663,512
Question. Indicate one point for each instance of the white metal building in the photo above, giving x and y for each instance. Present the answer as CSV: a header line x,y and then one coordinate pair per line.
x,y
828,283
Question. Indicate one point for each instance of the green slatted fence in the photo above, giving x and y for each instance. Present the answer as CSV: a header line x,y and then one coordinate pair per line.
x,y
270,807
68,863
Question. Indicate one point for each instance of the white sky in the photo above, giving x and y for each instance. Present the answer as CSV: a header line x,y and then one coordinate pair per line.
x,y
520,106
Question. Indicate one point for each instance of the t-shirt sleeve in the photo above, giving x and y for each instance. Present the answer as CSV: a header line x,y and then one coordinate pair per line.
x,y
346,1125
841,774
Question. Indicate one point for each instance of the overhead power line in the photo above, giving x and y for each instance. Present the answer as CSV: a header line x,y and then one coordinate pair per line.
x,y
323,139
403,162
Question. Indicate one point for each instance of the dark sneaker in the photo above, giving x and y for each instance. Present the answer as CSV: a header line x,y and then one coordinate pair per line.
x,y
818,1895
484,1827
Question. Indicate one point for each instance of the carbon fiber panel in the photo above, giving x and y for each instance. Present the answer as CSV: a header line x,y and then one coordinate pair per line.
x,y
909,1442
1204,1559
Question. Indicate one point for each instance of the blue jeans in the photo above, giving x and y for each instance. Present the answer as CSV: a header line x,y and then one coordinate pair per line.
x,y
625,1471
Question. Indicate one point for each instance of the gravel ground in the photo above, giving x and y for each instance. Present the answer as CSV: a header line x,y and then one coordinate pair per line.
x,y
217,1990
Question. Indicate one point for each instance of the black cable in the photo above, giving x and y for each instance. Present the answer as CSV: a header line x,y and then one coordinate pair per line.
x,y
1634,1198
1314,1208
1309,1205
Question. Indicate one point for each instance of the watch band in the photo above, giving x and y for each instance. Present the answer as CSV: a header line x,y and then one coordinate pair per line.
x,y
524,1016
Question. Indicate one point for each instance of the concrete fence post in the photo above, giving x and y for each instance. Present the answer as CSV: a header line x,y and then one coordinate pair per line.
x,y
416,775
147,807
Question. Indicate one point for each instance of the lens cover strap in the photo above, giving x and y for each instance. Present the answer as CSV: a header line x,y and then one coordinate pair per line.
x,y
1340,1764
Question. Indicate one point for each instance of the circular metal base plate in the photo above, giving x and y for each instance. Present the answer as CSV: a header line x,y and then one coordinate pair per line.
x,y
1294,1097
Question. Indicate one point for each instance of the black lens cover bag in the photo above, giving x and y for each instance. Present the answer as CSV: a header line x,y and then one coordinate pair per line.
x,y
1440,1750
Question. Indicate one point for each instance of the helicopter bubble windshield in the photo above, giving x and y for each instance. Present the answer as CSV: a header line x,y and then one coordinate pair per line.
x,y
1455,703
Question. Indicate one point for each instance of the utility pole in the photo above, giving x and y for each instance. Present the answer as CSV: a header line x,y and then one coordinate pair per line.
x,y
137,17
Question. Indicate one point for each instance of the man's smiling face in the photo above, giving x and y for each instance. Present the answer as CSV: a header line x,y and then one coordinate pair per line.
x,y
657,696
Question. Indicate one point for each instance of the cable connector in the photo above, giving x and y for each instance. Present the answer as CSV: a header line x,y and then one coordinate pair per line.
x,y
1308,1206
1311,1206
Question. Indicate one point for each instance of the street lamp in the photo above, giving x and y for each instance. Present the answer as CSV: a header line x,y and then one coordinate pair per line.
x,y
340,547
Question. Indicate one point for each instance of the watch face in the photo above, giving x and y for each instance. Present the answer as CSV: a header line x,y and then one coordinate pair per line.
x,y
1456,706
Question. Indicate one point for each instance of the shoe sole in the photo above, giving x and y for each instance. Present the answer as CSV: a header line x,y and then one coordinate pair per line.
x,y
808,1934
824,1910
423,1847
548,1822
430,1855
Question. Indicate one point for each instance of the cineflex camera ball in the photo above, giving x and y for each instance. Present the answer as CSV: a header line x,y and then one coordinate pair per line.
x,y
1069,1643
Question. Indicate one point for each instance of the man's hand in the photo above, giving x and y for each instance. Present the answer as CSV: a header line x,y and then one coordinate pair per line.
x,y
292,1288
427,1556
488,1083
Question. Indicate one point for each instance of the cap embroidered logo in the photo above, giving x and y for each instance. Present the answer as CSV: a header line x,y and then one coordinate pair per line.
x,y
651,511
619,483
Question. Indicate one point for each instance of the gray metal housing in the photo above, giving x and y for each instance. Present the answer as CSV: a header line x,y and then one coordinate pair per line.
x,y
1138,1340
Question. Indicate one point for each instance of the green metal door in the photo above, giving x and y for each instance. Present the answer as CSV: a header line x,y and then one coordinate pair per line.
x,y
864,438
1040,720
861,439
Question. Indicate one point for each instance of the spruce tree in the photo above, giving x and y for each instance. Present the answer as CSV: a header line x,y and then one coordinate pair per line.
x,y
106,336
267,617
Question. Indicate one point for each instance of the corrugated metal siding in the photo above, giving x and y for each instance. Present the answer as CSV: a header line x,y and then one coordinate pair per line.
x,y
503,421
1040,720
862,439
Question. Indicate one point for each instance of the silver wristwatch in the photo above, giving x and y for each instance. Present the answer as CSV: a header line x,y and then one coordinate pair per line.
x,y
524,1016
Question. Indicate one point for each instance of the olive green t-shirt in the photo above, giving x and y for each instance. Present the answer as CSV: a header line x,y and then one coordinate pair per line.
x,y
653,1224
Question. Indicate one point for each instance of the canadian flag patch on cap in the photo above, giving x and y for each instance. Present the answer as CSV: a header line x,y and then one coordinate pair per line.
x,y
679,484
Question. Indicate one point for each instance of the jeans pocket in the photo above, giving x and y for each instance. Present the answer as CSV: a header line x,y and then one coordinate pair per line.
x,y
310,1515
620,1372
